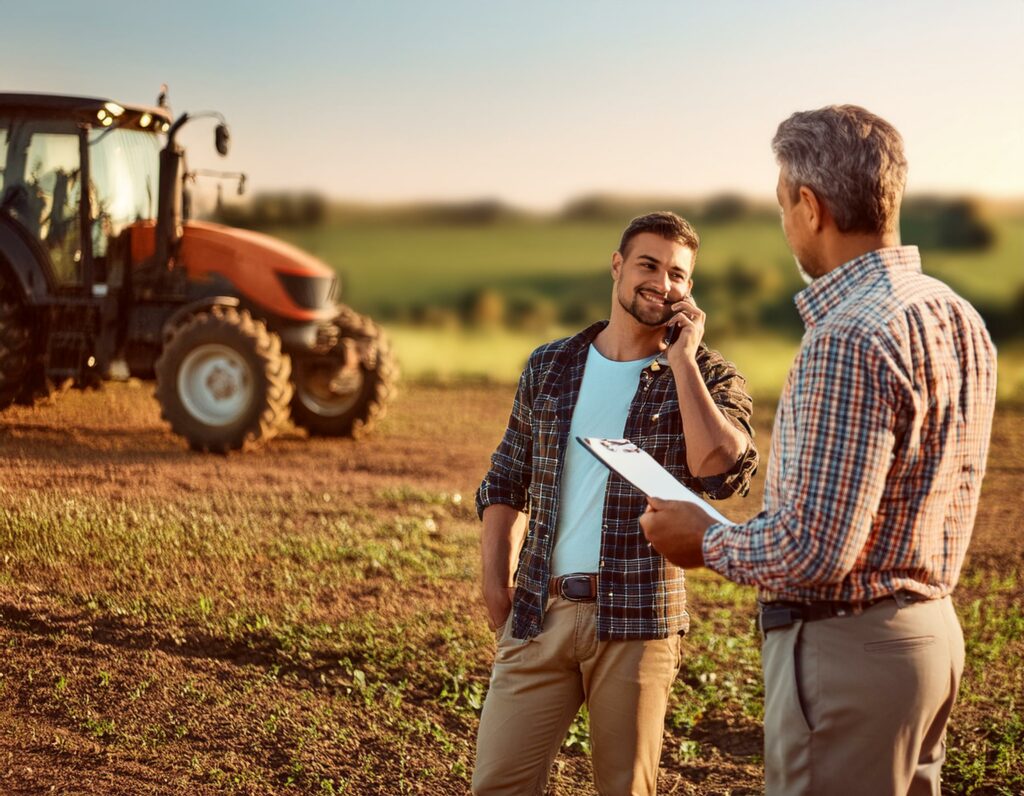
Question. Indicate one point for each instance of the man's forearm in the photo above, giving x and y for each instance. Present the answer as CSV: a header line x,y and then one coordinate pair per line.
x,y
713,444
500,541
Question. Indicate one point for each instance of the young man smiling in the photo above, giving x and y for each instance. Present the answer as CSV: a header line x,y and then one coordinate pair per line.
x,y
586,611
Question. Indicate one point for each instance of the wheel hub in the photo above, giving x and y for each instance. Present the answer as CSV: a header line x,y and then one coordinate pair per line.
x,y
329,390
221,383
215,384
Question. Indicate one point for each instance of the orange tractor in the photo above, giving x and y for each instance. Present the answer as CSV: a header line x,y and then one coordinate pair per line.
x,y
101,276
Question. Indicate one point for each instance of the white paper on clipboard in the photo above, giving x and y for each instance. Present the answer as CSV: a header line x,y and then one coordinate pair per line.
x,y
642,471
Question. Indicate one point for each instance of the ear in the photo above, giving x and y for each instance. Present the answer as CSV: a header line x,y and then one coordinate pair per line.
x,y
616,266
813,208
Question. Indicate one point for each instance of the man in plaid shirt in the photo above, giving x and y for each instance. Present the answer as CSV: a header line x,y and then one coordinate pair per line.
x,y
585,610
878,453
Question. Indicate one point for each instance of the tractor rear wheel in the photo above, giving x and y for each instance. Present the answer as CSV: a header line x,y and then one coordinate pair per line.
x,y
344,394
16,345
222,381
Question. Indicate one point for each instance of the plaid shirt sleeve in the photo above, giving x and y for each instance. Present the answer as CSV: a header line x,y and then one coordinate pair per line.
x,y
843,390
728,390
508,480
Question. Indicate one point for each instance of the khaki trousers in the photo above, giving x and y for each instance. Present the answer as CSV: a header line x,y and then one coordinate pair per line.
x,y
537,687
859,704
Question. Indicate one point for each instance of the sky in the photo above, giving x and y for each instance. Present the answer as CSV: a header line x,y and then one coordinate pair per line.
x,y
538,102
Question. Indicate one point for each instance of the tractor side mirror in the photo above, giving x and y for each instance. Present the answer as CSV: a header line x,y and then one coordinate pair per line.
x,y
223,138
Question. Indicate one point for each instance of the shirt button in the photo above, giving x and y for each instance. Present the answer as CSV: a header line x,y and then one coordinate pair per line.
x,y
610,594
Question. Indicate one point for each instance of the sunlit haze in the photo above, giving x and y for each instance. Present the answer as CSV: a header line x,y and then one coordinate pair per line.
x,y
536,102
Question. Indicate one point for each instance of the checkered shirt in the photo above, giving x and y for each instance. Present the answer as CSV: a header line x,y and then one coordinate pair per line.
x,y
879,444
640,595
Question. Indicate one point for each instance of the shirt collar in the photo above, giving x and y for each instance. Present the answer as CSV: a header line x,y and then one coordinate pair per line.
x,y
579,346
580,342
826,292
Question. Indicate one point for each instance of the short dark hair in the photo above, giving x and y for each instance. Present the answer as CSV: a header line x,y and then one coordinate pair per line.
x,y
664,223
853,161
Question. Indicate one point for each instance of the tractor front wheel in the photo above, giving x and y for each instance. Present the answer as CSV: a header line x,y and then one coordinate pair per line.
x,y
345,393
223,382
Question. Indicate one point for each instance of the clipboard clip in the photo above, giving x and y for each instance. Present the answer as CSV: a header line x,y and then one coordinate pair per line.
x,y
620,445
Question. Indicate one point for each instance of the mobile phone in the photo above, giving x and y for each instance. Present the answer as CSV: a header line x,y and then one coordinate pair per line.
x,y
672,333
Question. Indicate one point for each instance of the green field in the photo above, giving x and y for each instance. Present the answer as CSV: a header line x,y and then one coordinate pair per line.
x,y
388,268
449,356
420,280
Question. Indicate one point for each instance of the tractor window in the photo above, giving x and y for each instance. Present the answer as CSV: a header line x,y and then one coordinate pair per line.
x,y
48,200
125,170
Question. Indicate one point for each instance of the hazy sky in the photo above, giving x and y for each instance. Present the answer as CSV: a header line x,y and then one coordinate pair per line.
x,y
536,102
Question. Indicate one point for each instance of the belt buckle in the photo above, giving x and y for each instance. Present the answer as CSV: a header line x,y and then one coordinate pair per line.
x,y
566,579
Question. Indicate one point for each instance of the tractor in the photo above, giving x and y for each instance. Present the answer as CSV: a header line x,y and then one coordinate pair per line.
x,y
103,275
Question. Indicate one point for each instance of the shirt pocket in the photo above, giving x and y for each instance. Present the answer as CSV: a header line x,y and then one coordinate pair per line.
x,y
545,420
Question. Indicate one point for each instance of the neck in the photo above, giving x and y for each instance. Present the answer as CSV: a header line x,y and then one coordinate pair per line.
x,y
842,247
625,339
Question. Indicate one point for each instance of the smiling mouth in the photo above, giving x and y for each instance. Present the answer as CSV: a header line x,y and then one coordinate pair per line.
x,y
653,296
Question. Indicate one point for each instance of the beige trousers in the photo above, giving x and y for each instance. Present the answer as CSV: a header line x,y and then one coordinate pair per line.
x,y
859,704
537,687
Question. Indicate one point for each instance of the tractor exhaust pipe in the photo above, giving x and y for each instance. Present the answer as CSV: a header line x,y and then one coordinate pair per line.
x,y
168,216
169,204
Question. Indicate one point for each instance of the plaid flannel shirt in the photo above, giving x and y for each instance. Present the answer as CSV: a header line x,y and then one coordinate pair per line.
x,y
879,444
640,594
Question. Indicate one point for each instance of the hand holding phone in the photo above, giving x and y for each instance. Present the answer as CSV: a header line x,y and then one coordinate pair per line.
x,y
686,314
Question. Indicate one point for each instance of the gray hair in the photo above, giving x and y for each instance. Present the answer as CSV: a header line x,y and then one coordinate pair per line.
x,y
851,159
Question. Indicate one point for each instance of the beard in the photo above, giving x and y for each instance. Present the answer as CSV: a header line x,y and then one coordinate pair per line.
x,y
644,312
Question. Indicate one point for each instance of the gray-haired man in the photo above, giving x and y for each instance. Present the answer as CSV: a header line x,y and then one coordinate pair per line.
x,y
878,452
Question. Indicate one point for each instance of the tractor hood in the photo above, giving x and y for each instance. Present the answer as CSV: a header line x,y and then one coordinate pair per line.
x,y
270,275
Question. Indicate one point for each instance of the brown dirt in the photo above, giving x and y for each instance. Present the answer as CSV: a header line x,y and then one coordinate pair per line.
x,y
112,445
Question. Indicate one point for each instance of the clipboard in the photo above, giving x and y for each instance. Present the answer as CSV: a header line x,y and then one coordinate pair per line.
x,y
641,470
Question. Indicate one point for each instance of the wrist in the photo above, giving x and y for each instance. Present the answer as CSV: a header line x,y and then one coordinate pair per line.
x,y
686,372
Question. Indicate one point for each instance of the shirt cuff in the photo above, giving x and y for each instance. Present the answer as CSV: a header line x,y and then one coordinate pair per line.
x,y
713,546
735,480
488,494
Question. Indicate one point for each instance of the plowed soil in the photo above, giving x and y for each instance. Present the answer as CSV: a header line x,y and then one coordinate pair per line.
x,y
112,682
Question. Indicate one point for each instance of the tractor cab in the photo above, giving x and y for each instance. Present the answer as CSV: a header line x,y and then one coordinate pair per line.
x,y
50,146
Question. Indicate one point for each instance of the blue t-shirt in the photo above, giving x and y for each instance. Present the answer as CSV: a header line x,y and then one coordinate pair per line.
x,y
602,406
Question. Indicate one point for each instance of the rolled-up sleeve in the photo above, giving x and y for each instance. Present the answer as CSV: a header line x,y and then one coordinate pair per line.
x,y
508,479
728,390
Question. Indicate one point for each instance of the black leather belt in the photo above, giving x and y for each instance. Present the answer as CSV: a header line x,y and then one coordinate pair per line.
x,y
580,587
775,615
